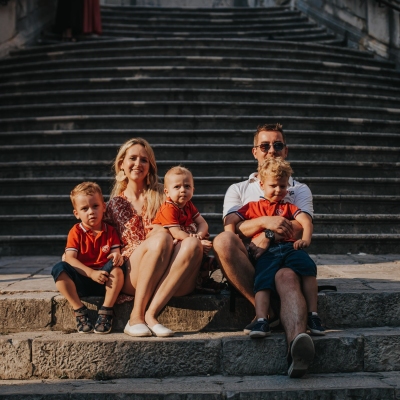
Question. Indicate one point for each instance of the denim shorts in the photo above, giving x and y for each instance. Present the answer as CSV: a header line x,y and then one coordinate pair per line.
x,y
281,255
84,285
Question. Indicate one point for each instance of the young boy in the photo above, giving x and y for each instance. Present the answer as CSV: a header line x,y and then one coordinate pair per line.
x,y
92,260
274,175
178,214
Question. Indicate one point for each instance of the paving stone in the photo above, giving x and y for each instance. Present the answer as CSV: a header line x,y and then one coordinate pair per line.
x,y
26,312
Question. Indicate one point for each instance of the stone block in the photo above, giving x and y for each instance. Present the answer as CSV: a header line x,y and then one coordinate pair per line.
x,y
338,352
378,22
7,21
246,356
362,309
382,350
116,356
25,312
15,356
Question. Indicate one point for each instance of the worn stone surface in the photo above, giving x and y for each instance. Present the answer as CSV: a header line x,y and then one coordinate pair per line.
x,y
25,312
323,387
382,350
15,356
74,356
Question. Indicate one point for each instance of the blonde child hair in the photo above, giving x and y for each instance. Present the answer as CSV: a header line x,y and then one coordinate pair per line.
x,y
154,195
276,167
178,170
87,188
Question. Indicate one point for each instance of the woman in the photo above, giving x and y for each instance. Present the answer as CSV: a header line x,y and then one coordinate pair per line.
x,y
156,269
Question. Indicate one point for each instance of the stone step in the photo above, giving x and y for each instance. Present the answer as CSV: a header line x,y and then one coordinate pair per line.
x,y
198,108
322,243
175,94
345,169
83,121
320,186
60,203
372,386
54,355
59,48
37,89
370,75
201,137
171,50
352,224
187,152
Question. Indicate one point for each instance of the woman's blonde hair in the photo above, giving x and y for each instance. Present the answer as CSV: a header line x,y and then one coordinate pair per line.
x,y
154,195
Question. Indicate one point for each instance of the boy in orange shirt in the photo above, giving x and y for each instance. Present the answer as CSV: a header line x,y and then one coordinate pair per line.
x,y
92,260
274,176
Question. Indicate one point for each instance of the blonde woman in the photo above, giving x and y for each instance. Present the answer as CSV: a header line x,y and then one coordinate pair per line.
x,y
156,269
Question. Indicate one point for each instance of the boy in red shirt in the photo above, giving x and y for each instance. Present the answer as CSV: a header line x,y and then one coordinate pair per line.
x,y
274,176
92,260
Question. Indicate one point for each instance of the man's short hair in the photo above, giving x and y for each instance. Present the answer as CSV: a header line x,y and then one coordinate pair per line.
x,y
276,167
269,127
178,170
86,188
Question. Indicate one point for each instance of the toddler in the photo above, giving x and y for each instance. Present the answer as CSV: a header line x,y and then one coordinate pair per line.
x,y
274,176
92,258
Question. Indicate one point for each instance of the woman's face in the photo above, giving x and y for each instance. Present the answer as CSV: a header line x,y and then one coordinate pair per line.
x,y
136,163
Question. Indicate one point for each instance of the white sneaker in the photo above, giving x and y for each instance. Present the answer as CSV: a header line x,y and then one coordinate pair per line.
x,y
137,330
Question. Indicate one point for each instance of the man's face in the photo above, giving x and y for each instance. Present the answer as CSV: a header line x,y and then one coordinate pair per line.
x,y
269,138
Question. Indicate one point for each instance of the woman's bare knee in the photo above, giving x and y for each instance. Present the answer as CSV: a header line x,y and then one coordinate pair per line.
x,y
159,242
191,244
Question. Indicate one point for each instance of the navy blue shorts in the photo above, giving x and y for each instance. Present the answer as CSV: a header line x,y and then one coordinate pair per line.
x,y
281,255
84,285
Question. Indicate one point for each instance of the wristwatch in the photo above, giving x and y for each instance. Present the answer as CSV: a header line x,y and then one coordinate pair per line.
x,y
270,235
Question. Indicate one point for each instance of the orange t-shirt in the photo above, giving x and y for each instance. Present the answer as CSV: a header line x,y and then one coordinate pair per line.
x,y
92,250
264,207
170,215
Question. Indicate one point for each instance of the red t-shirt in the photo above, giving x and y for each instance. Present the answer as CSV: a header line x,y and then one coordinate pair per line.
x,y
264,207
92,250
170,215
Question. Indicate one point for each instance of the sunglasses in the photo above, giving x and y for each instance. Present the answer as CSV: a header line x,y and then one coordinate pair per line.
x,y
278,146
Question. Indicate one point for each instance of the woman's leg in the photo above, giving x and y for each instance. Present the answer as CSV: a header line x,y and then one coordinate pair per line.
x,y
146,267
180,277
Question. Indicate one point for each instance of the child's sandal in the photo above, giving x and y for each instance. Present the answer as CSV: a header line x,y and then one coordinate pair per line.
x,y
104,322
83,324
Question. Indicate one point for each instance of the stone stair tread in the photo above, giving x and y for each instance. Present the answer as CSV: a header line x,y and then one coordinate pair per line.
x,y
370,385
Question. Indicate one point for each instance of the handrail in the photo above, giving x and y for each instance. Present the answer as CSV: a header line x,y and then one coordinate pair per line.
x,y
387,3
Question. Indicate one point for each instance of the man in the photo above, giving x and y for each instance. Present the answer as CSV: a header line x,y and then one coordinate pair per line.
x,y
269,141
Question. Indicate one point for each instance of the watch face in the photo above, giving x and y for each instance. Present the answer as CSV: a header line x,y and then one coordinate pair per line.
x,y
269,234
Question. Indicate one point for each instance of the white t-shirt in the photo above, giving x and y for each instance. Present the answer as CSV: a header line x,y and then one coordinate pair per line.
x,y
242,193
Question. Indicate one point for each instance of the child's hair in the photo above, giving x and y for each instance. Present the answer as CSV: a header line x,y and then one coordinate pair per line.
x,y
178,170
276,167
86,188
154,195
269,127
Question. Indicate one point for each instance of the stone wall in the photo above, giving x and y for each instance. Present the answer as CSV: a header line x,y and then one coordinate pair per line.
x,y
21,21
365,24
192,3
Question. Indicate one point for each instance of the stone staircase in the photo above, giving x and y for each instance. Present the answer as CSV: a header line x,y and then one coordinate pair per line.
x,y
196,84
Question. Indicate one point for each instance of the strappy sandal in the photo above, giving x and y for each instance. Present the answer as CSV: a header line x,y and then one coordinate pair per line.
x,y
104,322
83,324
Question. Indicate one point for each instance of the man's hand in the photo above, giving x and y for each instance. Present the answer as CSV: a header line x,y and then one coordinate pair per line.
x,y
117,258
280,225
301,244
207,246
258,246
99,276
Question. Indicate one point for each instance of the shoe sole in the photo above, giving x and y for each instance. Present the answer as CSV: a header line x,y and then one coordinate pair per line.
x,y
102,333
272,324
144,334
256,334
315,332
302,353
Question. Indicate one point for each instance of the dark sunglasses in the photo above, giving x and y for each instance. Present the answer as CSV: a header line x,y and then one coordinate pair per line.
x,y
278,146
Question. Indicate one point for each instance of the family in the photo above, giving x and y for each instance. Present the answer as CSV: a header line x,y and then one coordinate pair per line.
x,y
149,241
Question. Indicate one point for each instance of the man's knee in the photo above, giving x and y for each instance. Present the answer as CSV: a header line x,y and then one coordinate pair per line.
x,y
225,242
287,279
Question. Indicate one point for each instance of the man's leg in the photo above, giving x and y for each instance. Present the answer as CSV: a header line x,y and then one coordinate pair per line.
x,y
234,261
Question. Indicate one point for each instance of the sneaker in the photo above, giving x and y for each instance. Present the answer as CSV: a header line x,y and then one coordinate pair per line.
x,y
314,324
301,354
260,329
273,323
